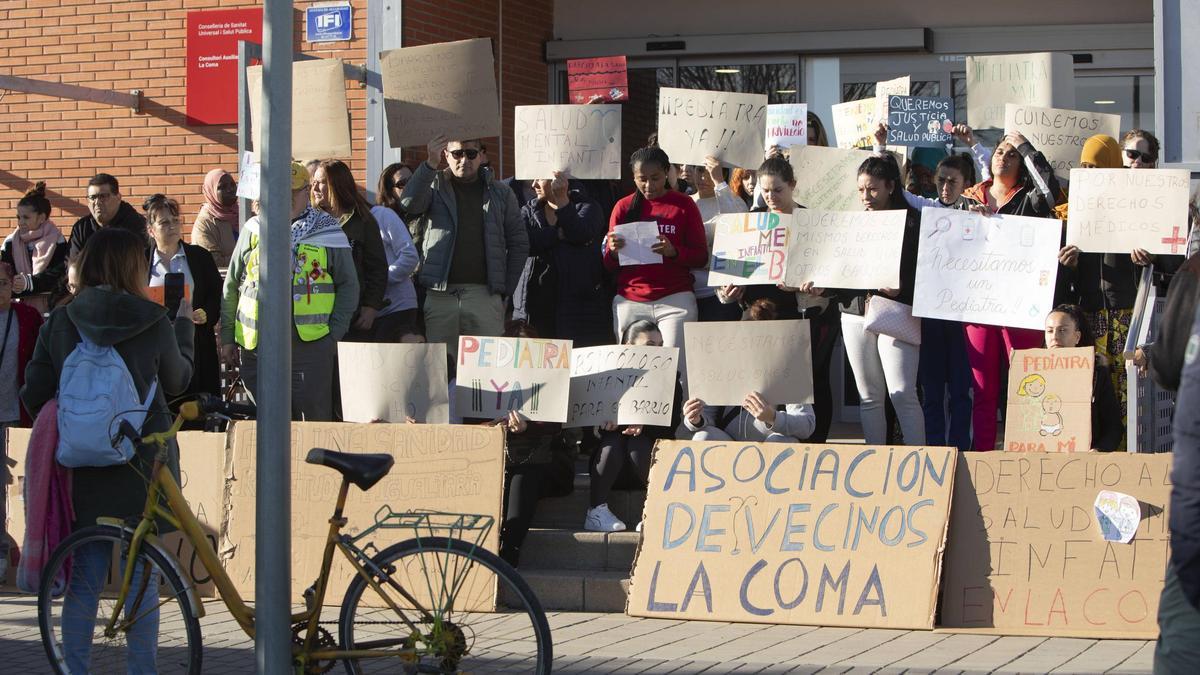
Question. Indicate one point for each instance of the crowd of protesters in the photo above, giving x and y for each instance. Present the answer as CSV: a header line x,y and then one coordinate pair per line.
x,y
450,249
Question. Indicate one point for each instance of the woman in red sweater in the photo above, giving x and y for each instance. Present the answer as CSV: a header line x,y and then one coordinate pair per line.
x,y
657,292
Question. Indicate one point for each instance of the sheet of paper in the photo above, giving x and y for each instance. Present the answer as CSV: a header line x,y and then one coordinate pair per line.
x,y
639,237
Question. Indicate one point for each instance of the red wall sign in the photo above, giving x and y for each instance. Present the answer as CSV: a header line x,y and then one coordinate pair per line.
x,y
603,79
212,53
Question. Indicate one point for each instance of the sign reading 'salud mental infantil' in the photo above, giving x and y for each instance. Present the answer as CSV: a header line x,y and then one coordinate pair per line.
x,y
212,62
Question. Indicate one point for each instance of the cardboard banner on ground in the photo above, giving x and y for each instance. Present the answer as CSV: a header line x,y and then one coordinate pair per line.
x,y
1026,555
1058,133
749,249
602,79
1118,210
845,249
320,116
446,89
999,271
201,477
920,121
391,382
626,384
1050,400
582,140
452,468
787,125
854,123
496,375
777,533
694,124
729,359
827,178
1042,79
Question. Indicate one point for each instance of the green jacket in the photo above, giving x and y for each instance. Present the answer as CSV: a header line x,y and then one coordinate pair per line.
x,y
152,347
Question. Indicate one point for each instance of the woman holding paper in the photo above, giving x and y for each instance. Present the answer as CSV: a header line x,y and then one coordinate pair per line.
x,y
756,420
713,197
1022,184
660,292
883,365
632,443
566,296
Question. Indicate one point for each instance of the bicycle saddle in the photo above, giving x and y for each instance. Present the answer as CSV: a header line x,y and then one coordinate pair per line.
x,y
364,470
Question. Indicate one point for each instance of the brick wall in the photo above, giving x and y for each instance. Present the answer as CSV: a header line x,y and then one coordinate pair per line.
x,y
142,45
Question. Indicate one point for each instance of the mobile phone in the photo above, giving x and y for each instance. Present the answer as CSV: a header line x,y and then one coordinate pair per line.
x,y
173,290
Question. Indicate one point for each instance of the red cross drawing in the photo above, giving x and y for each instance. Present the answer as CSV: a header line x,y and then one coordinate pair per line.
x,y
1174,240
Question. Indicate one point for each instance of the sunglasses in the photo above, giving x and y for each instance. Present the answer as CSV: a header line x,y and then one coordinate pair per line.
x,y
1135,155
469,152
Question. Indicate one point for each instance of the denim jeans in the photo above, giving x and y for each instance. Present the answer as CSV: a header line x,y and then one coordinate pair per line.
x,y
89,573
943,370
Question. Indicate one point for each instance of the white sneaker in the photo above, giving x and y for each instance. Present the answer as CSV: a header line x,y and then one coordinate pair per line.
x,y
600,519
639,526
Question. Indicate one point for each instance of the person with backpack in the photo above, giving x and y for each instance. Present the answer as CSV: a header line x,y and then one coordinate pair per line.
x,y
113,339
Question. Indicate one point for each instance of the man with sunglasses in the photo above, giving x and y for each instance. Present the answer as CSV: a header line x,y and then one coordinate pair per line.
x,y
105,209
472,241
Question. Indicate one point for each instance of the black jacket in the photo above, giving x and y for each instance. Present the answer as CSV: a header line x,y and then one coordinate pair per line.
x,y
370,259
1107,430
127,218
567,296
1175,328
1110,280
1184,518
206,295
51,280
853,301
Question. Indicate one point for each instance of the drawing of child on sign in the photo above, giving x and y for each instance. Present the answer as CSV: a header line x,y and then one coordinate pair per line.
x,y
1032,388
1052,420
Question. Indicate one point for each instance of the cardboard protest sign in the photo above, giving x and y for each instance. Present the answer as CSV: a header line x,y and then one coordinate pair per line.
x,y
787,125
1026,555
773,358
320,116
393,382
498,374
827,178
582,140
1118,210
854,123
1059,134
693,124
446,89
999,271
749,248
900,86
845,249
451,468
639,237
777,533
1043,79
603,78
1050,400
920,121
201,478
626,384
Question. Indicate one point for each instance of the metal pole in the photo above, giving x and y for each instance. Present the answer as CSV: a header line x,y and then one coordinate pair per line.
x,y
272,584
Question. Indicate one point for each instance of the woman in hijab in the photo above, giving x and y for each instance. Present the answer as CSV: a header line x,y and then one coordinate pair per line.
x,y
36,251
216,226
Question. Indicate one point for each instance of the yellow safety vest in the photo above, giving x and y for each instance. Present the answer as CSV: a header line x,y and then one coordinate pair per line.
x,y
313,296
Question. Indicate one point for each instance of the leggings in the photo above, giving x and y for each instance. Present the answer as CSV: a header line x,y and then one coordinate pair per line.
x,y
884,367
989,349
522,489
608,461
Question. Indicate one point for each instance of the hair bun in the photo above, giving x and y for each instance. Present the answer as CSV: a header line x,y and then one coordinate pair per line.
x,y
38,190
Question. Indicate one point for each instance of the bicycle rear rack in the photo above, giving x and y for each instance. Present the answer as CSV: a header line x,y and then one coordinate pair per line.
x,y
471,528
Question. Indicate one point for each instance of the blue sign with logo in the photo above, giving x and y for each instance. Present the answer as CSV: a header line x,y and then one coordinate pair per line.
x,y
328,23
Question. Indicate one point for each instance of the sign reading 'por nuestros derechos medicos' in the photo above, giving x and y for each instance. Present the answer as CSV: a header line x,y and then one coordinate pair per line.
x,y
1118,210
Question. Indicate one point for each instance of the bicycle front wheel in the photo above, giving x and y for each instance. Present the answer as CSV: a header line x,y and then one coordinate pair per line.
x,y
454,582
155,630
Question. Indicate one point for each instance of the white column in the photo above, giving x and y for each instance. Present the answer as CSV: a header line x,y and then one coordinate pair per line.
x,y
823,88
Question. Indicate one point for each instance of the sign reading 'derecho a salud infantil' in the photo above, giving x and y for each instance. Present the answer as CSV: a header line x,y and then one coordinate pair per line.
x,y
827,535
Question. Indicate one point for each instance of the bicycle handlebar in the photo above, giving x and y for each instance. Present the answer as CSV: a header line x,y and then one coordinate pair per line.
x,y
202,406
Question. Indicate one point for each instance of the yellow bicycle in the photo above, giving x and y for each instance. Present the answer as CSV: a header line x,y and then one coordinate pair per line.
x,y
114,600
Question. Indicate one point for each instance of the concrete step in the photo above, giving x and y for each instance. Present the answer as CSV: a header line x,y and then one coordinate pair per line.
x,y
568,512
577,590
569,549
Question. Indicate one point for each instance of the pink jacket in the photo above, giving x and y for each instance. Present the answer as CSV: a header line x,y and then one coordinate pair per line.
x,y
48,509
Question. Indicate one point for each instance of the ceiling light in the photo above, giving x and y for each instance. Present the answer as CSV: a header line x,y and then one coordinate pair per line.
x,y
727,71
1104,102
785,91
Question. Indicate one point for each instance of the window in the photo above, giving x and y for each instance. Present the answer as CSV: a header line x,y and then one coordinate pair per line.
x,y
856,91
777,80
1130,96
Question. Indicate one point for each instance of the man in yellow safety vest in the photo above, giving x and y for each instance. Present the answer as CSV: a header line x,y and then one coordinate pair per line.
x,y
324,296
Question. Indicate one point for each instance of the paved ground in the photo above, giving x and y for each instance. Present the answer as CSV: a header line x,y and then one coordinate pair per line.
x,y
613,643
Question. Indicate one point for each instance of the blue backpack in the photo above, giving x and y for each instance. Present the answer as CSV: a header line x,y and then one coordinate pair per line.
x,y
95,393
